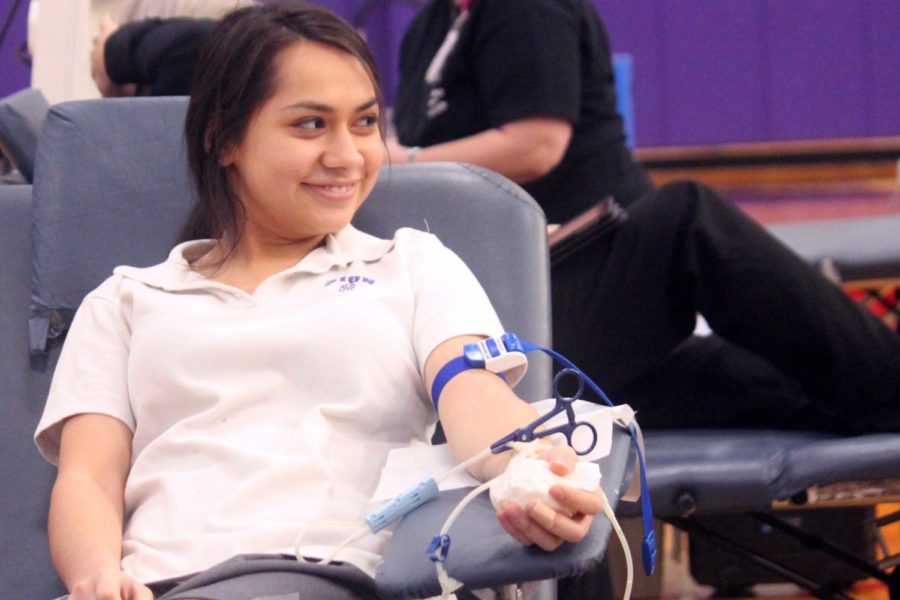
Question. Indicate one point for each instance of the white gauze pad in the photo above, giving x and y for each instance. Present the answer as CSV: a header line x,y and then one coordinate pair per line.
x,y
529,478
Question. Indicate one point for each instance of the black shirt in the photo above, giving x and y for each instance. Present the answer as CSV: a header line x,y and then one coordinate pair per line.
x,y
516,59
157,54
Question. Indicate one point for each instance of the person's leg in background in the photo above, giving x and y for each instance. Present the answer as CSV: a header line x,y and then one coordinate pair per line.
x,y
623,306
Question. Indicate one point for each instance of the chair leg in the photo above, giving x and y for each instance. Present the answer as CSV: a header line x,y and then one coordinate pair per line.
x,y
694,528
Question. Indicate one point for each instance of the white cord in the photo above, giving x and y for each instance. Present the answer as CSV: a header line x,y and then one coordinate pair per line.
x,y
448,584
364,530
629,565
358,535
464,464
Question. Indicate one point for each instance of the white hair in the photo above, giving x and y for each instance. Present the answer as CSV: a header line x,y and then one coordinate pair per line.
x,y
134,10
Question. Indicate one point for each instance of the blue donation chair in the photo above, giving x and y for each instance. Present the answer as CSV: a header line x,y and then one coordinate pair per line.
x,y
112,187
21,115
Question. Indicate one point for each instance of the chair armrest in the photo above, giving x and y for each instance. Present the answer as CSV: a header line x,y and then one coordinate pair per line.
x,y
482,554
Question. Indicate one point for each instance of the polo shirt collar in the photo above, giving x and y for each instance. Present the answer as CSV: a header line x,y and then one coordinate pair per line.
x,y
340,250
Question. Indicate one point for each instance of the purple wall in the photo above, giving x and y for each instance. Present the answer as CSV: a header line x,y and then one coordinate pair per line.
x,y
705,71
715,71
14,75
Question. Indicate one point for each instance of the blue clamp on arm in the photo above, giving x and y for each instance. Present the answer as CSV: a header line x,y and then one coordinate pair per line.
x,y
405,502
502,355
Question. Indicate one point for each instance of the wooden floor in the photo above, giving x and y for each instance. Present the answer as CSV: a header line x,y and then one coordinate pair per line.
x,y
791,194
804,202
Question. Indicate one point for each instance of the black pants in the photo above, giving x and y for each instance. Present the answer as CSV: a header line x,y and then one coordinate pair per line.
x,y
791,350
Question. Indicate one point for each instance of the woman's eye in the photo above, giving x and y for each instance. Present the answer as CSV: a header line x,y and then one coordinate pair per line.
x,y
311,123
368,121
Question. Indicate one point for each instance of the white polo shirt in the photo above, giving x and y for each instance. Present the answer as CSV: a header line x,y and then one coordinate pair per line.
x,y
257,414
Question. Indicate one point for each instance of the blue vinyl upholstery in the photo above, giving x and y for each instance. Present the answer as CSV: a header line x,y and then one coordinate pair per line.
x,y
21,115
732,471
860,248
25,478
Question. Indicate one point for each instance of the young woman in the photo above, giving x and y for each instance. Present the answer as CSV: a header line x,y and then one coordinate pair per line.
x,y
206,409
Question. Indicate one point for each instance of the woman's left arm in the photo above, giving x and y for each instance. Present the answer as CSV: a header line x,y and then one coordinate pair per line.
x,y
477,408
522,150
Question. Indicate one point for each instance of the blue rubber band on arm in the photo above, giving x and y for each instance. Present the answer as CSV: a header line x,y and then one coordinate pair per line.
x,y
450,370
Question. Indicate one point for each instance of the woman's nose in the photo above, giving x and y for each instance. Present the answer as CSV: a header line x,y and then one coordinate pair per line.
x,y
342,150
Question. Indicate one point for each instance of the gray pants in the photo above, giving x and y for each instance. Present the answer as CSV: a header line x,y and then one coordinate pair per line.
x,y
271,577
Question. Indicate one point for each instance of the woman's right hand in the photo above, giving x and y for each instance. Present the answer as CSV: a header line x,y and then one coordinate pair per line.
x,y
110,584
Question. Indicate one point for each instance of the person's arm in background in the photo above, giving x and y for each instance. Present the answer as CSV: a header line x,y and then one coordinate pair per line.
x,y
522,83
522,150
477,408
86,509
157,56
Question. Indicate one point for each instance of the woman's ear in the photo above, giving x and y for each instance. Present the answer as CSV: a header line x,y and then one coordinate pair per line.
x,y
226,156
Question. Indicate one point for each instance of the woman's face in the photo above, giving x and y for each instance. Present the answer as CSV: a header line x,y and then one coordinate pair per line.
x,y
311,153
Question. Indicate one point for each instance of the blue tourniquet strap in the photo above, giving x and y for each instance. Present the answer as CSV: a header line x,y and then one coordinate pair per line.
x,y
449,371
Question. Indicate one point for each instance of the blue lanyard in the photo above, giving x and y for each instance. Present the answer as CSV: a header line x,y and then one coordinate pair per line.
x,y
648,544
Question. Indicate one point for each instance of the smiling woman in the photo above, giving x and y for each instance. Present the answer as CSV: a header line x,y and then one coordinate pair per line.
x,y
207,409
306,163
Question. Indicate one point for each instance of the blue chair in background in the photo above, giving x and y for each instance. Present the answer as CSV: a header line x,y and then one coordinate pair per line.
x,y
21,116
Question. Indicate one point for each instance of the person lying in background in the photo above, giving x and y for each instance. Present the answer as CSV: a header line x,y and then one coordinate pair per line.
x,y
154,49
526,88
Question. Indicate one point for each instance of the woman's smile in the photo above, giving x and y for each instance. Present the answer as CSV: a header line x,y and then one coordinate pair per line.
x,y
333,192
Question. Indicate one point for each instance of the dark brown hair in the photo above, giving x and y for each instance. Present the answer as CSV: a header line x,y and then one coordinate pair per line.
x,y
234,76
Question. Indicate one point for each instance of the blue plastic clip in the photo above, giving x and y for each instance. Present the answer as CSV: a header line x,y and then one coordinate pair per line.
x,y
439,548
412,498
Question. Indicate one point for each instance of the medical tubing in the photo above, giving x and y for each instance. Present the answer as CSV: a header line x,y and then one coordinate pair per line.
x,y
480,456
648,546
629,564
442,575
360,534
366,529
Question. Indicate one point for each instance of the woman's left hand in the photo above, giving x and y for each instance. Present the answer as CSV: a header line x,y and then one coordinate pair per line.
x,y
539,524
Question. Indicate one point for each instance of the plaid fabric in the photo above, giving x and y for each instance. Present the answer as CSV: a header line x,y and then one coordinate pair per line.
x,y
881,298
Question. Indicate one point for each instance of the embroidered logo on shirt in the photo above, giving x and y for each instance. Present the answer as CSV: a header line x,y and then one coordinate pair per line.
x,y
350,282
